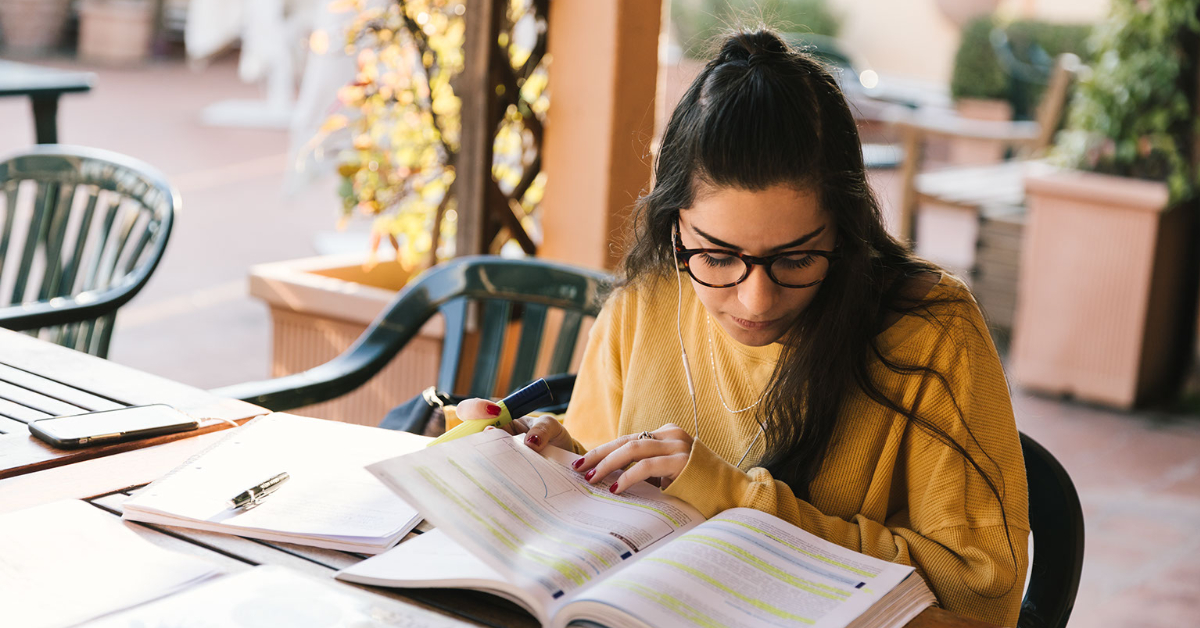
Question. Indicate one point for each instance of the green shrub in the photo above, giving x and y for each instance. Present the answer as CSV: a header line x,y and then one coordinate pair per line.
x,y
1130,116
700,23
977,72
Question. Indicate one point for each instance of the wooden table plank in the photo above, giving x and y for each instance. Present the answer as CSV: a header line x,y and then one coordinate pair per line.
x,y
10,426
18,412
37,401
114,381
51,388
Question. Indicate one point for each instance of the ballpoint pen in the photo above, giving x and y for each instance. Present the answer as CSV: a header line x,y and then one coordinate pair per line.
x,y
254,495
519,403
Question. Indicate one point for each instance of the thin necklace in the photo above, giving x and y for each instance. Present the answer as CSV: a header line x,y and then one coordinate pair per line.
x,y
712,354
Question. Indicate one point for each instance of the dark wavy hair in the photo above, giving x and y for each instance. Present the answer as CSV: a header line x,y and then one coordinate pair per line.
x,y
761,114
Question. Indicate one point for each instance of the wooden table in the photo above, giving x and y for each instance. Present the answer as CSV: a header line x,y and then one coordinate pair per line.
x,y
43,86
39,379
104,477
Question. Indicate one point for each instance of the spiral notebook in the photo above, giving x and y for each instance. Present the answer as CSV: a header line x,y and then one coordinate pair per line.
x,y
329,500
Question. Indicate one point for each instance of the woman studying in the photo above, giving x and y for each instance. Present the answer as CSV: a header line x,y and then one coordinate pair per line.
x,y
771,346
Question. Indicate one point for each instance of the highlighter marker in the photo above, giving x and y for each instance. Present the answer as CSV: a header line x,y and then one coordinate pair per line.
x,y
518,404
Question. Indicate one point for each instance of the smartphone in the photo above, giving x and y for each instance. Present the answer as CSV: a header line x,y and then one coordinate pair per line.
x,y
111,426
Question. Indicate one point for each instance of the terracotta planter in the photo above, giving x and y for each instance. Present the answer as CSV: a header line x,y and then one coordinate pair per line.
x,y
115,31
319,306
32,27
1098,303
968,152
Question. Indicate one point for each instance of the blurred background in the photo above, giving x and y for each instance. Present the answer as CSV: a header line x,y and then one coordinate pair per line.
x,y
1045,151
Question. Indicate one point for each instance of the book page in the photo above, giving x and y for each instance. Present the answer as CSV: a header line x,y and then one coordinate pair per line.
x,y
531,518
434,560
270,596
65,562
742,568
329,493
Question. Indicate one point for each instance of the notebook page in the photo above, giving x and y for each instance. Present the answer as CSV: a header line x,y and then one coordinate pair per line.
x,y
329,493
66,562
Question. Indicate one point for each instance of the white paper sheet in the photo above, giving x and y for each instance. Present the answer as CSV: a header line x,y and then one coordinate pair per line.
x,y
66,562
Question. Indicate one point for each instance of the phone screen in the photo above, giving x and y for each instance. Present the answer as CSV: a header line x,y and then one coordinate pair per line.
x,y
123,421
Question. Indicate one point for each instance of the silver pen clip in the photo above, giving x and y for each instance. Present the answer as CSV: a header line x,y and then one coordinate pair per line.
x,y
255,495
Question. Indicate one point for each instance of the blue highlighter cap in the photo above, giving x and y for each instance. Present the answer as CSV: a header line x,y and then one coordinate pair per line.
x,y
528,399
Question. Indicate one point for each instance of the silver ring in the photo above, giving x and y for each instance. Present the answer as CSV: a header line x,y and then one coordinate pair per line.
x,y
645,435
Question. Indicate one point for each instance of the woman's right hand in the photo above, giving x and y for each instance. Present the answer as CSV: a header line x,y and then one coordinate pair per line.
x,y
539,431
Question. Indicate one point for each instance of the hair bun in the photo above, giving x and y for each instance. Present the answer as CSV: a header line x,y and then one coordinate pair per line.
x,y
752,47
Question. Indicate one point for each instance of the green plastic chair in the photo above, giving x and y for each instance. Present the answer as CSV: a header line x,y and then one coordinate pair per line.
x,y
82,230
502,291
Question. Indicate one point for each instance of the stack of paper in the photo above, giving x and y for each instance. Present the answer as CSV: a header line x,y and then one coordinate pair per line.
x,y
329,501
67,562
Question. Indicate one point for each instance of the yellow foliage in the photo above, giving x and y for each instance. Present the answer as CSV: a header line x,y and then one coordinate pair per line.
x,y
407,123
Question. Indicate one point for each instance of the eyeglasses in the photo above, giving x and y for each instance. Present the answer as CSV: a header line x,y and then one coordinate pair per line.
x,y
722,268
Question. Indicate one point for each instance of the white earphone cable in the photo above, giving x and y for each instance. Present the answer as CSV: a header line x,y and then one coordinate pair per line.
x,y
687,371
683,352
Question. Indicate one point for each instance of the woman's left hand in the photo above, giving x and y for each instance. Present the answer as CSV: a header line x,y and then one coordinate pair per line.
x,y
662,456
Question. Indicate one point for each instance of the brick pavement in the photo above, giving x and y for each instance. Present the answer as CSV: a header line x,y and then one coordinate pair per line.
x,y
1138,474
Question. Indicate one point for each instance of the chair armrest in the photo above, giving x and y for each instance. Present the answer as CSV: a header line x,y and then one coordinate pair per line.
x,y
324,382
949,125
64,310
390,331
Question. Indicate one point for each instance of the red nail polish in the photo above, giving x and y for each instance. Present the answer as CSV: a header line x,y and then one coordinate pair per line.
x,y
589,474
493,409
532,439
577,463
613,489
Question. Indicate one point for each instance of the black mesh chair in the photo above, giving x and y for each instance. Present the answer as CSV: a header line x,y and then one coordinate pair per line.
x,y
1056,519
82,230
507,292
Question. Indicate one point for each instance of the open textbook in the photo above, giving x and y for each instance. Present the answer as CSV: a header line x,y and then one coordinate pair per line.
x,y
525,527
329,500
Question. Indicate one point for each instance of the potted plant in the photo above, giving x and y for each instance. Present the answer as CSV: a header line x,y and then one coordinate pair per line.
x,y
1101,295
115,31
979,88
32,27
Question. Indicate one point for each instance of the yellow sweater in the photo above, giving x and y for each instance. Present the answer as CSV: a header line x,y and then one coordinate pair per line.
x,y
887,488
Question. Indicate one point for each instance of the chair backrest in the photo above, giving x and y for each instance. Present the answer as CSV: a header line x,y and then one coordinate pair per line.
x,y
493,308
78,221
1054,100
1056,519
532,298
